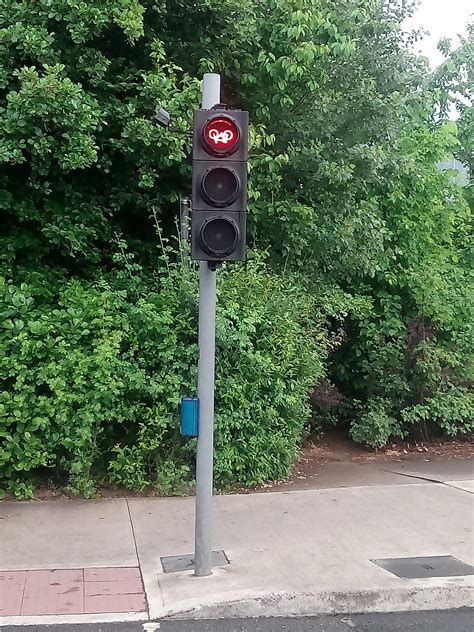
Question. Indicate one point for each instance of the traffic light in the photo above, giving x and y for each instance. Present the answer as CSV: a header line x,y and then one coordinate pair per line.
x,y
219,201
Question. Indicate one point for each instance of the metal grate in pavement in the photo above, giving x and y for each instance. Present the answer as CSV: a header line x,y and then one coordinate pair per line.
x,y
422,567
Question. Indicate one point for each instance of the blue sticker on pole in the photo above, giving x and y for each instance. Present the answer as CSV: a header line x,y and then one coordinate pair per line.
x,y
189,417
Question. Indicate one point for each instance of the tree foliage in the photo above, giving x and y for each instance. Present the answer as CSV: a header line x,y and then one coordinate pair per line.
x,y
360,281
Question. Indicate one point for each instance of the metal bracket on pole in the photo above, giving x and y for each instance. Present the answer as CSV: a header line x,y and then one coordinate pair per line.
x,y
184,219
211,93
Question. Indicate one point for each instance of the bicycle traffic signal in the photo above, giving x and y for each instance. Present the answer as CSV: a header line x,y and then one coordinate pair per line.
x,y
219,200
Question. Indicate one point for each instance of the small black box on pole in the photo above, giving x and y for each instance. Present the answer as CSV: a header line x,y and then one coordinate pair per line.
x,y
219,188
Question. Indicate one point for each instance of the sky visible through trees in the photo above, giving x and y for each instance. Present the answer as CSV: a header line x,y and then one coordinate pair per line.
x,y
441,18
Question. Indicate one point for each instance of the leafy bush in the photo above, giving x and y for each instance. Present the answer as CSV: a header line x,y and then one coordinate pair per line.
x,y
375,424
409,357
271,352
91,375
366,238
452,409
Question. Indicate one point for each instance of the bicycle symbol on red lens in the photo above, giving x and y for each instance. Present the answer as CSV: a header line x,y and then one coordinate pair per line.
x,y
221,135
217,137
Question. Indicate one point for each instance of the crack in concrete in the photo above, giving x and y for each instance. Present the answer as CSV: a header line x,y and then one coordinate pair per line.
x,y
422,478
460,489
428,480
147,606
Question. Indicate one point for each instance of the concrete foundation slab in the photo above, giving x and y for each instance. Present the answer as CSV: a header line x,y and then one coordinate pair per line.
x,y
435,470
331,475
300,543
465,486
50,535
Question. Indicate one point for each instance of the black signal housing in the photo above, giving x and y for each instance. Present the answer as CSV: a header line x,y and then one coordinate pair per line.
x,y
219,187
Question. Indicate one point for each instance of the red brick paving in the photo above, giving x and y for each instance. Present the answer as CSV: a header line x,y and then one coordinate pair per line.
x,y
53,592
111,575
108,591
114,603
71,591
12,586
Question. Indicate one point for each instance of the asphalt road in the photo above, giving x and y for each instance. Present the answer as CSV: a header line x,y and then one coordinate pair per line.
x,y
439,621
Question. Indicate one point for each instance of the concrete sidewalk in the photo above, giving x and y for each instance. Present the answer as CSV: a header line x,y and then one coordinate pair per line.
x,y
290,552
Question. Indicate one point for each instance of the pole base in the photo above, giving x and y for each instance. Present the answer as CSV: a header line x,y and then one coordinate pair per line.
x,y
176,563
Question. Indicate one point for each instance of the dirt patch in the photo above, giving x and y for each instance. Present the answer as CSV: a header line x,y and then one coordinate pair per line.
x,y
335,447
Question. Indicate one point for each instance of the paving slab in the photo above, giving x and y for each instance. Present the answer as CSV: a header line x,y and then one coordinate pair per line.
x,y
435,470
65,534
465,486
114,575
316,543
330,475
53,592
353,474
12,586
95,604
39,593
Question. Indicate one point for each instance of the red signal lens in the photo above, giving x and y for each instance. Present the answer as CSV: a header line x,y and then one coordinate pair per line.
x,y
221,135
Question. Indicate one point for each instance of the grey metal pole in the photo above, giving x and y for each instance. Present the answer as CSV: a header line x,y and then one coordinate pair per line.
x,y
206,366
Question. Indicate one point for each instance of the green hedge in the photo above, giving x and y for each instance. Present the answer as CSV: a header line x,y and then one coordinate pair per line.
x,y
91,375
